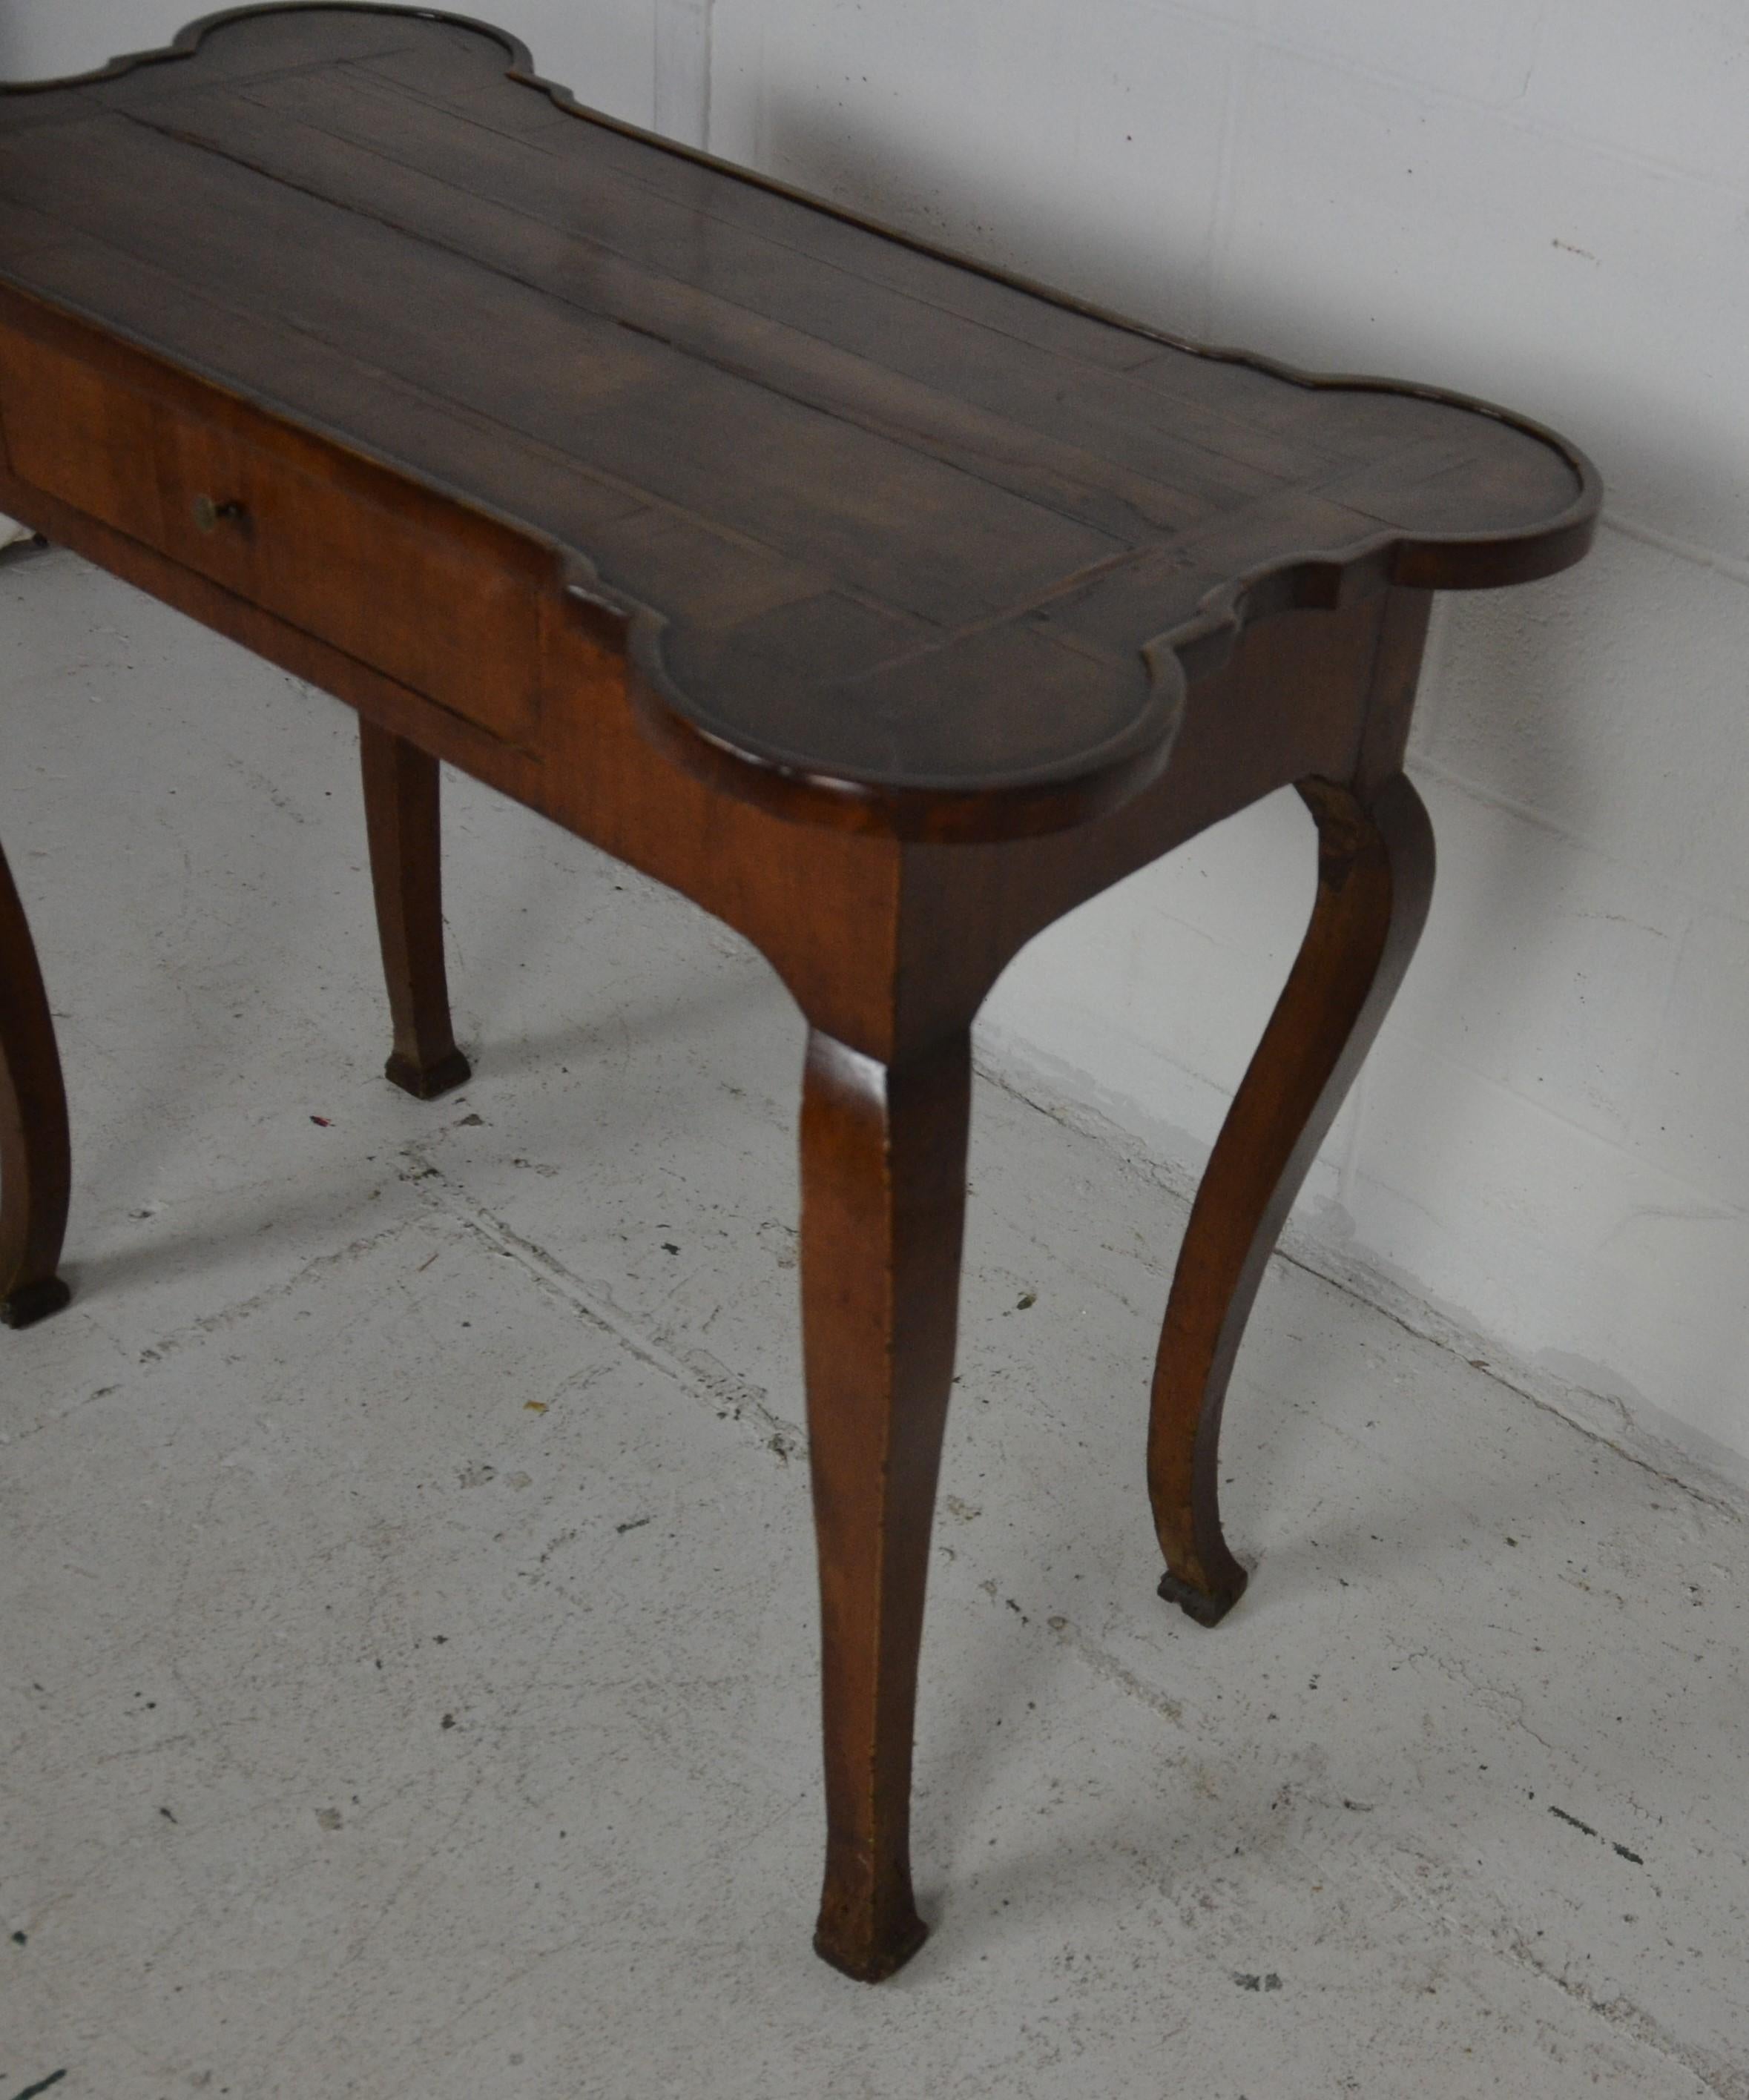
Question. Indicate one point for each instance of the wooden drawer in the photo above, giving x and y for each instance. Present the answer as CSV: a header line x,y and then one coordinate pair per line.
x,y
446,612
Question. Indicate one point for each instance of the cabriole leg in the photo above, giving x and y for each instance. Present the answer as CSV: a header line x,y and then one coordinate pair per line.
x,y
36,1165
883,1179
406,870
1375,878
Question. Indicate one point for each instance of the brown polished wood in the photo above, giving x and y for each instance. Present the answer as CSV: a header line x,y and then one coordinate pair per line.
x,y
401,818
1375,881
886,607
883,1196
36,1164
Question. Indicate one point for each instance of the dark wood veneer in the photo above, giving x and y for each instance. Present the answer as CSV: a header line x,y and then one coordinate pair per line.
x,y
886,606
886,532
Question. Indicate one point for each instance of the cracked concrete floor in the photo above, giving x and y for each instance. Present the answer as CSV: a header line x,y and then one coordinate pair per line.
x,y
407,1650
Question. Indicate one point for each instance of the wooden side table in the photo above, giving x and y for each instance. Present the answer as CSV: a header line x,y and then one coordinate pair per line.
x,y
886,607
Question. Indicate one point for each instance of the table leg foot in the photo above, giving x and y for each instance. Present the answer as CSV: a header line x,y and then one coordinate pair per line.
x,y
865,1951
883,1196
1375,878
1209,1608
33,1302
425,1082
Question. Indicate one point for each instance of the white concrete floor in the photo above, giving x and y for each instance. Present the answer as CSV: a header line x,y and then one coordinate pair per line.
x,y
406,1644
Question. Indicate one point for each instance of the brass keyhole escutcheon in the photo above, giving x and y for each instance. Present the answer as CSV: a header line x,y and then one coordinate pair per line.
x,y
209,516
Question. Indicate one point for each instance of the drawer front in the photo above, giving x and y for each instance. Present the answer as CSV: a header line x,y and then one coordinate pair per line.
x,y
444,613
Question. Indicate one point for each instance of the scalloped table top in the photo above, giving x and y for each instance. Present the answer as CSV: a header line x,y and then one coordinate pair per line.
x,y
881,520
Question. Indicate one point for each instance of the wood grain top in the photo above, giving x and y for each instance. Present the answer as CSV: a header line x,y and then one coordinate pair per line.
x,y
878,523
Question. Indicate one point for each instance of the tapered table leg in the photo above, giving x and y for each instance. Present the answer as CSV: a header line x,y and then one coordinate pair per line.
x,y
1375,879
406,868
35,1166
883,1168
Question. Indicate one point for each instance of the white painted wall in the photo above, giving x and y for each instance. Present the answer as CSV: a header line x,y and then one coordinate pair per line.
x,y
1545,201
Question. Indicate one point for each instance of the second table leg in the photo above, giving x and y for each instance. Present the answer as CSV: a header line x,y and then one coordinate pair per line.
x,y
1375,878
406,869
